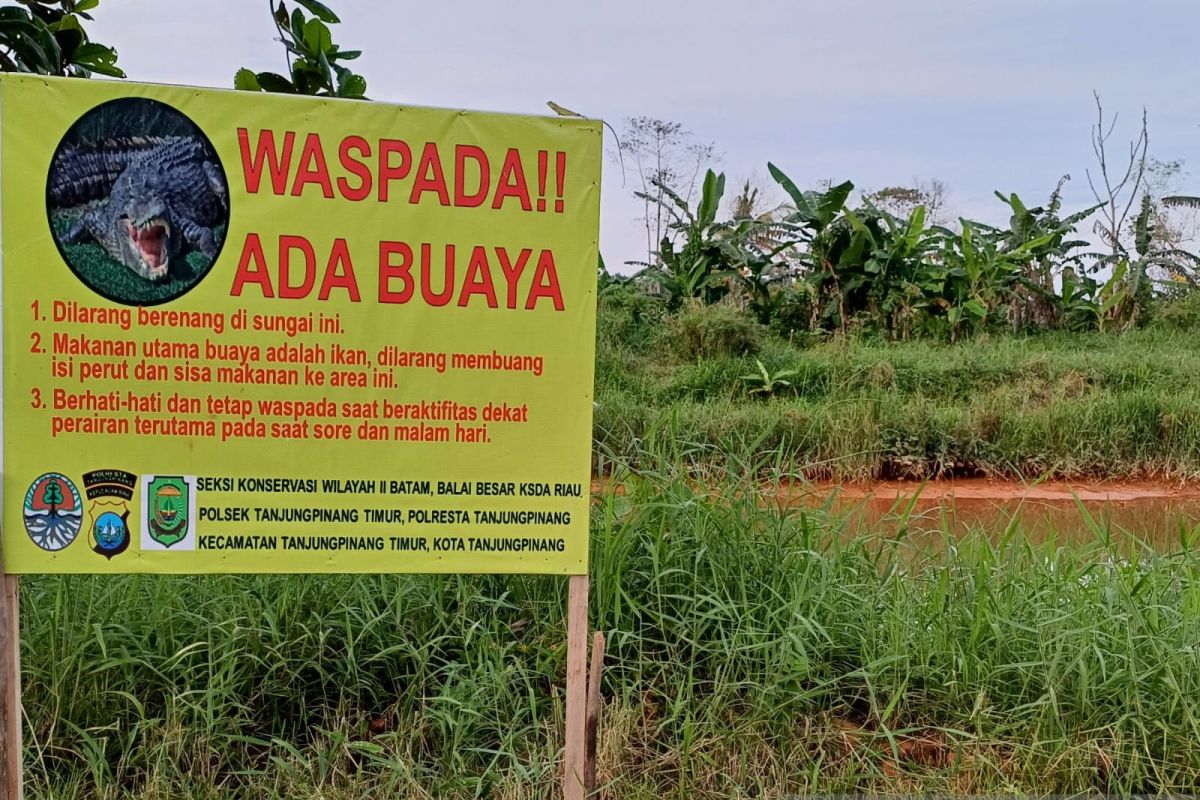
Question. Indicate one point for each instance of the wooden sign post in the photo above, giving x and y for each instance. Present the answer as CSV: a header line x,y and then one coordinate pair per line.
x,y
10,690
583,695
592,720
576,756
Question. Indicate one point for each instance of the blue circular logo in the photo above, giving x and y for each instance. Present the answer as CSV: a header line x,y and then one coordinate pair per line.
x,y
110,532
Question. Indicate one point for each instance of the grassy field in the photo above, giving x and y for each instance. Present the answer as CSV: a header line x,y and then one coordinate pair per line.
x,y
754,652
1055,405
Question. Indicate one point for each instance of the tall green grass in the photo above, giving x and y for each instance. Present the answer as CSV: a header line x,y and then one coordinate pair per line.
x,y
1066,406
754,651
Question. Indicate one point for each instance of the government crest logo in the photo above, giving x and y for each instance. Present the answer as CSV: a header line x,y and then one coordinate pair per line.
x,y
53,512
168,512
109,492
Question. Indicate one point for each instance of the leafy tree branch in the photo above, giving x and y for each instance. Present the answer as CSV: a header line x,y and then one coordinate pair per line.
x,y
313,59
47,37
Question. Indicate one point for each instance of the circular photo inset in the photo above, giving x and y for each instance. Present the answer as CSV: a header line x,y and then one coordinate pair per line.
x,y
138,202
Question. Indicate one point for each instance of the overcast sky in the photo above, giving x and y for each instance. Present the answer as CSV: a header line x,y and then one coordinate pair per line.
x,y
981,95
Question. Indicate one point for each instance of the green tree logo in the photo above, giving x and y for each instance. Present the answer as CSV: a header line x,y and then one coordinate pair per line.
x,y
52,496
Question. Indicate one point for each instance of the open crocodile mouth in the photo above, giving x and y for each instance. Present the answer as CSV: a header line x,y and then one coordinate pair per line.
x,y
151,242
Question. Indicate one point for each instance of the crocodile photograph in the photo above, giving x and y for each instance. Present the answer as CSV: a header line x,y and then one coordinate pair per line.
x,y
138,201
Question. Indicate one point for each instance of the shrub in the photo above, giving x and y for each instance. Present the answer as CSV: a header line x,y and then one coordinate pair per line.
x,y
1179,314
700,331
627,317
793,318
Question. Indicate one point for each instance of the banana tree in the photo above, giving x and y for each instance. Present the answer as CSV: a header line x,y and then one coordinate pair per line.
x,y
831,245
1128,291
1057,250
979,276
896,263
1180,263
1035,303
763,249
702,265
1080,301
1089,304
761,271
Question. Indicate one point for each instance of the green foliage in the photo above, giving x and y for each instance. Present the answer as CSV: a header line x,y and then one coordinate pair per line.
x,y
876,272
1181,265
698,269
1069,406
715,257
978,276
1042,238
1181,313
627,317
819,266
792,311
895,267
1079,302
700,331
832,244
1123,300
766,383
314,60
48,37
813,210
759,270
1129,292
830,268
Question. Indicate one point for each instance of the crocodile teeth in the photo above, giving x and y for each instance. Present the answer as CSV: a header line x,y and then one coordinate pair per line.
x,y
150,240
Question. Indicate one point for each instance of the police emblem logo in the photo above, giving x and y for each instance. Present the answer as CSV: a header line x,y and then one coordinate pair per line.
x,y
53,512
110,492
168,510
